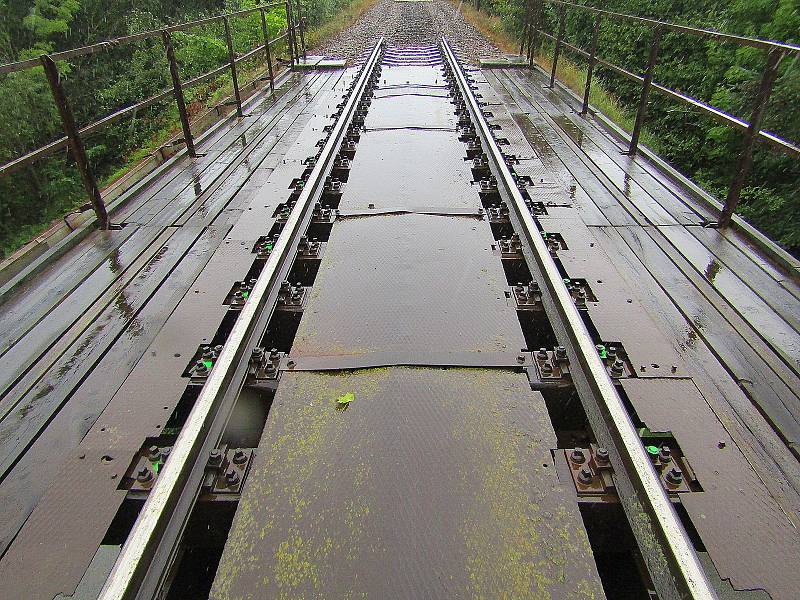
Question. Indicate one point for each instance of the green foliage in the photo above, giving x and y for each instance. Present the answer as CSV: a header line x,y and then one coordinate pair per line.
x,y
100,84
722,74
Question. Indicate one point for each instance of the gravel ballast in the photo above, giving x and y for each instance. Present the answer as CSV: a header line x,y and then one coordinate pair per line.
x,y
405,23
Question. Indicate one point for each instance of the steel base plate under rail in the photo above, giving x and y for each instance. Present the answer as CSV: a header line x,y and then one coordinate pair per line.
x,y
671,560
140,567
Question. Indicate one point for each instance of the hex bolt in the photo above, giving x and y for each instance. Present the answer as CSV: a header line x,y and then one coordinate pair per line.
x,y
144,475
561,353
257,355
541,354
231,478
547,368
165,453
674,476
239,457
153,452
585,475
577,456
200,368
618,367
214,458
520,359
665,455
601,456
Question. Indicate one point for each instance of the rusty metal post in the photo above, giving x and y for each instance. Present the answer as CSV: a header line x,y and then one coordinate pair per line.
x,y
178,93
290,32
75,142
232,60
526,21
745,160
267,52
557,47
641,113
536,18
590,67
300,27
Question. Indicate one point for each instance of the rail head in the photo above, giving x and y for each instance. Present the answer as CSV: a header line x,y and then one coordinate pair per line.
x,y
672,561
132,563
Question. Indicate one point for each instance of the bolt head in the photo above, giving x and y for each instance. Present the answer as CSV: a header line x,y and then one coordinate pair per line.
x,y
578,456
585,475
601,455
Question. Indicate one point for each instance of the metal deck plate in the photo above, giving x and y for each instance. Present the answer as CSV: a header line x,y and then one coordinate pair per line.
x,y
432,484
407,283
406,169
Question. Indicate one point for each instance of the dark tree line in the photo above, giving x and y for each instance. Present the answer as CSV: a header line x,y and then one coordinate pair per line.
x,y
722,74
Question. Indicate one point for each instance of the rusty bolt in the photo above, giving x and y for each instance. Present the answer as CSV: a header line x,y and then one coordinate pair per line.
x,y
214,458
144,475
585,475
601,456
578,456
231,478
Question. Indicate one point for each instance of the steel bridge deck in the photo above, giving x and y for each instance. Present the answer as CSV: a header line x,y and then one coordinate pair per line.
x,y
434,482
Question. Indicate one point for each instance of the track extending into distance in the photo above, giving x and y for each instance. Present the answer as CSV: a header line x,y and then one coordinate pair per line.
x,y
401,368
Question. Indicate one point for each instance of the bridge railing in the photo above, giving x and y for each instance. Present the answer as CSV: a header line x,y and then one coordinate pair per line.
x,y
291,39
536,21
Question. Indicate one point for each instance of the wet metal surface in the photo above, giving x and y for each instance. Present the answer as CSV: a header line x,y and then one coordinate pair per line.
x,y
433,483
406,282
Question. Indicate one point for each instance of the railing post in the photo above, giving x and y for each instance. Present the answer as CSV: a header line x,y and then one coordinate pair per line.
x,y
535,23
267,52
745,160
557,47
648,80
526,21
300,26
75,142
291,42
178,93
592,61
232,59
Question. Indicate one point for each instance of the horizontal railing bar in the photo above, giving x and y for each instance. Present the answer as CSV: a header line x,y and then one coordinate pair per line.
x,y
60,143
126,39
249,54
33,156
766,137
696,31
278,39
205,76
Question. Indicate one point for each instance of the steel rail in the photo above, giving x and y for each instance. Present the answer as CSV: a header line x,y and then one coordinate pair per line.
x,y
665,546
179,477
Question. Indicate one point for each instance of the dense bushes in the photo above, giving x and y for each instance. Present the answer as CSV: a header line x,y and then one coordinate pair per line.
x,y
724,75
98,85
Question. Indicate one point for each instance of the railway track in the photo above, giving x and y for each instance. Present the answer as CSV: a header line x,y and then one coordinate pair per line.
x,y
407,394
143,565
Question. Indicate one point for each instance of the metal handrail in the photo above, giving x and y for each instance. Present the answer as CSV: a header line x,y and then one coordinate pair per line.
x,y
74,134
128,39
533,19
